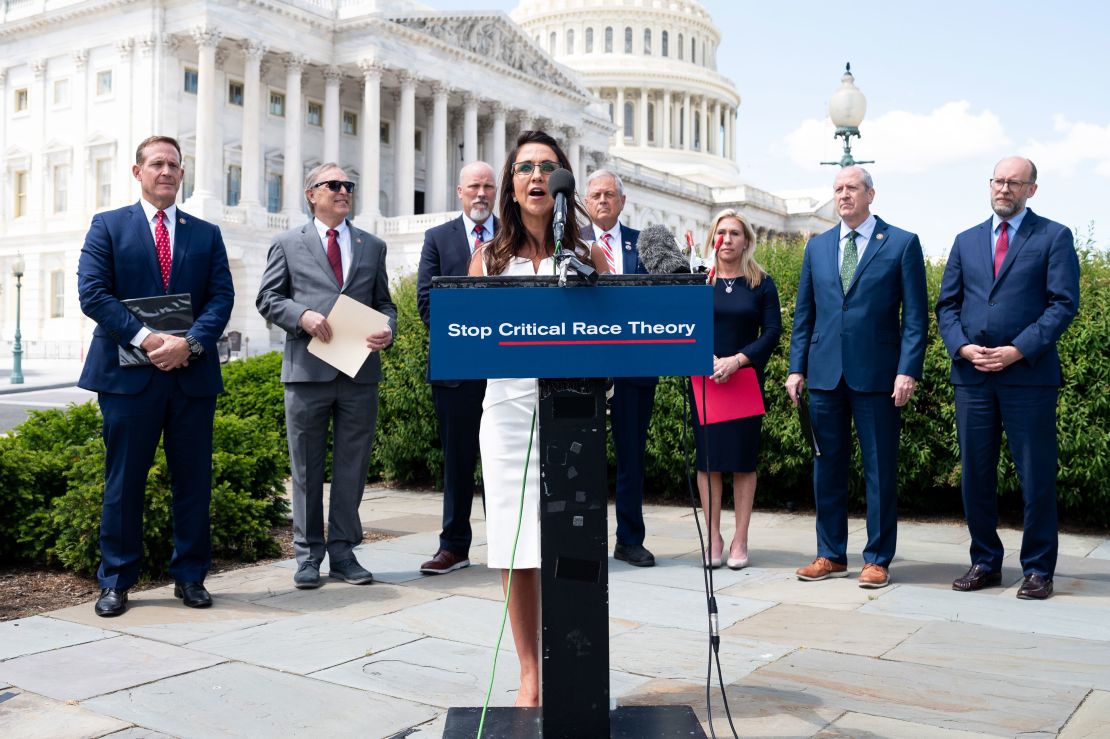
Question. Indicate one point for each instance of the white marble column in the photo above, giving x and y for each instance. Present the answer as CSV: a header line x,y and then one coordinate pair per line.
x,y
166,121
128,187
333,77
687,123
146,87
251,181
618,116
435,199
574,154
292,190
703,127
730,120
470,128
642,119
715,136
370,178
497,154
208,159
404,146
79,90
37,174
667,118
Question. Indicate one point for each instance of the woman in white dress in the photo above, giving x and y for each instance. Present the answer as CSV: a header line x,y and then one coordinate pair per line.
x,y
524,245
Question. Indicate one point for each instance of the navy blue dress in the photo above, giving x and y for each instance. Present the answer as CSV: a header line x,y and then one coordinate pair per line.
x,y
746,320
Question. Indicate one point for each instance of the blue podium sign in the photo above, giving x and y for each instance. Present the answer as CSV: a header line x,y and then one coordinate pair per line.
x,y
600,331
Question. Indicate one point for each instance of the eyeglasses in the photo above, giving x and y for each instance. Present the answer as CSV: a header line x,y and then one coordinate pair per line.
x,y
546,168
998,184
334,185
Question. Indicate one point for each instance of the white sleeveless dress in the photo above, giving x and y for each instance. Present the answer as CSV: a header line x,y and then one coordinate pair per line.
x,y
507,414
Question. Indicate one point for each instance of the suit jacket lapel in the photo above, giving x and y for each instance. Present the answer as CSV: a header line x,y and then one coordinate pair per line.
x,y
1018,240
182,238
146,242
358,252
878,238
311,241
460,243
983,257
830,254
630,259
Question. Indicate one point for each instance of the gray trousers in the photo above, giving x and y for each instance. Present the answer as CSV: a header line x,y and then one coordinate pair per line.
x,y
352,412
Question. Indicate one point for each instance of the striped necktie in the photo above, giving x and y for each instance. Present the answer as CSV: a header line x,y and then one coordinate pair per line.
x,y
607,248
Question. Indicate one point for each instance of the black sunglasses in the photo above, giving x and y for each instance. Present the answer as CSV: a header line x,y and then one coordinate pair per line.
x,y
334,185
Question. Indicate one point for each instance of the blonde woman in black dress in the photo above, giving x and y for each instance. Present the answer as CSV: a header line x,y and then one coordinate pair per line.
x,y
747,326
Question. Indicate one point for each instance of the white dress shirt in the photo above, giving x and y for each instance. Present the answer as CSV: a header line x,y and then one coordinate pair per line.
x,y
487,230
344,243
170,220
615,244
863,238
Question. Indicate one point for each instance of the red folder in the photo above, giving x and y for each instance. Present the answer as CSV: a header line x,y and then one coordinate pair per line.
x,y
738,398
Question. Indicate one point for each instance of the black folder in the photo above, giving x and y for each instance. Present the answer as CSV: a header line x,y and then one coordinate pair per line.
x,y
164,314
807,424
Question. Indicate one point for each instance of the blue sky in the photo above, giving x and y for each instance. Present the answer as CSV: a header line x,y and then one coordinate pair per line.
x,y
951,88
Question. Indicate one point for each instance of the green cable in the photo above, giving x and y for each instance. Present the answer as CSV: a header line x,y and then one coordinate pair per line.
x,y
509,583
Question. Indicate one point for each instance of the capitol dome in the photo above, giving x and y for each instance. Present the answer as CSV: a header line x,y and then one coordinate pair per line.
x,y
655,63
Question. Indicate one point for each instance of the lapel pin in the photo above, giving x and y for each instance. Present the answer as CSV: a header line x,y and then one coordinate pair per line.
x,y
628,246
358,241
878,237
181,221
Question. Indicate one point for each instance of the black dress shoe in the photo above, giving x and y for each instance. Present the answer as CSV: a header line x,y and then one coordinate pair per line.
x,y
192,594
634,554
1035,587
112,602
977,578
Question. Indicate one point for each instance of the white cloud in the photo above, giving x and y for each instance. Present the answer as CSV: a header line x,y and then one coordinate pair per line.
x,y
1078,144
907,142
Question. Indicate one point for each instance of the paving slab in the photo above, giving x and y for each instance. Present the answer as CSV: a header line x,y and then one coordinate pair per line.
x,y
1081,592
842,593
138,732
39,634
1102,551
245,700
678,654
1009,614
995,651
433,671
251,583
795,626
944,697
430,730
422,543
401,525
30,716
1083,568
1079,545
683,573
939,575
864,726
477,581
756,711
304,644
351,602
95,668
158,615
1092,718
676,607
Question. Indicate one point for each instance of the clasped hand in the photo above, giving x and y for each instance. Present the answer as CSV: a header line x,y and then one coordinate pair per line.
x,y
990,359
166,351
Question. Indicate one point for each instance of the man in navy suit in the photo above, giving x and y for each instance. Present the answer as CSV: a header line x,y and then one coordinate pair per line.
x,y
458,403
860,327
1010,289
633,397
145,250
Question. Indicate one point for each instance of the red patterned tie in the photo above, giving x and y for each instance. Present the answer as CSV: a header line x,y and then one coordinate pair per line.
x,y
334,258
1001,246
162,248
478,231
607,247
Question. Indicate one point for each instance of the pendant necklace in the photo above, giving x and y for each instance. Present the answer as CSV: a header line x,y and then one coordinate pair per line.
x,y
728,284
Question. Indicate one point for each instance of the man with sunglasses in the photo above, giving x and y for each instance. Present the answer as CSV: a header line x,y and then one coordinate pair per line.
x,y
307,269
458,403
1010,290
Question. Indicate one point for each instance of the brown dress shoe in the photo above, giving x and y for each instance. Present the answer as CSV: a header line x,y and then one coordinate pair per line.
x,y
1035,587
874,576
820,569
444,562
977,578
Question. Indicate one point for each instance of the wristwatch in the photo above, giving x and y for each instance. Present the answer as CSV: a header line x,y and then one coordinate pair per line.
x,y
195,347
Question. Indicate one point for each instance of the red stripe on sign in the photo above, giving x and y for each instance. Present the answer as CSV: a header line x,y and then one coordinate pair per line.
x,y
597,341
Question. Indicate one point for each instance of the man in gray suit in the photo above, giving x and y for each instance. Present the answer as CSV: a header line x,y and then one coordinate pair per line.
x,y
307,269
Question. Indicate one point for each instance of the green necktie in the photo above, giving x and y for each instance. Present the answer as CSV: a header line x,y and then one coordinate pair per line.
x,y
848,266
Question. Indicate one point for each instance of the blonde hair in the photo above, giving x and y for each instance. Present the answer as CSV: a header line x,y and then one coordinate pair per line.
x,y
749,268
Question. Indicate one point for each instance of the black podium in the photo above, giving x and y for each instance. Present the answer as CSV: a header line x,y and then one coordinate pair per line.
x,y
573,512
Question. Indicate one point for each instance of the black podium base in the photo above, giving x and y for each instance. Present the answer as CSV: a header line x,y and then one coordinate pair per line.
x,y
625,722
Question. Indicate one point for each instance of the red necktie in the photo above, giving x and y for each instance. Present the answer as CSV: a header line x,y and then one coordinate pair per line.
x,y
162,248
334,258
607,248
1001,246
477,235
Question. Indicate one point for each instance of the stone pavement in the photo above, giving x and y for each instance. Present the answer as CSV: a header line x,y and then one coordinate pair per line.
x,y
823,659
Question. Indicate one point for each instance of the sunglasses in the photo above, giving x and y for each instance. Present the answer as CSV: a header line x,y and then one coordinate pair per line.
x,y
528,167
334,185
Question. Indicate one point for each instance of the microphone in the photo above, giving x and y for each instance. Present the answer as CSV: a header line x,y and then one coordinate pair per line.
x,y
659,252
561,186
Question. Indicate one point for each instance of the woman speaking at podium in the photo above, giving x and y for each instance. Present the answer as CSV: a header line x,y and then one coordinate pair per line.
x,y
524,245
746,329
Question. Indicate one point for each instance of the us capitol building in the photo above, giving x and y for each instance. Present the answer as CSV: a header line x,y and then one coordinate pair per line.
x,y
259,91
